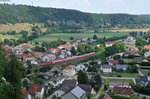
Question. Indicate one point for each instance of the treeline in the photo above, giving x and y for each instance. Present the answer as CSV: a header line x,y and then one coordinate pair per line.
x,y
68,19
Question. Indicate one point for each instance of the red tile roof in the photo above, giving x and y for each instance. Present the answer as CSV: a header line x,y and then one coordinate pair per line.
x,y
54,69
69,67
122,91
109,42
24,94
27,46
147,47
113,61
34,89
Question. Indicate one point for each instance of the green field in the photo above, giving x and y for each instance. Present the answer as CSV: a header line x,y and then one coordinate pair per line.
x,y
130,75
2,37
145,71
117,80
66,36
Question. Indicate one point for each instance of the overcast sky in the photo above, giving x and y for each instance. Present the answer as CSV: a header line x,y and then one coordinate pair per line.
x,y
94,6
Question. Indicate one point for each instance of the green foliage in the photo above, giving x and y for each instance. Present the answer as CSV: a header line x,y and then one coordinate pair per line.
x,y
141,89
71,19
113,96
82,77
132,69
12,69
141,42
119,47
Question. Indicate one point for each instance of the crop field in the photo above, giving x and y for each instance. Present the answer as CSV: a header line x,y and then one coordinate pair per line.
x,y
66,36
2,37
19,27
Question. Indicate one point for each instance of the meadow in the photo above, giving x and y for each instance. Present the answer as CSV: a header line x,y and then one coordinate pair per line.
x,y
66,36
2,37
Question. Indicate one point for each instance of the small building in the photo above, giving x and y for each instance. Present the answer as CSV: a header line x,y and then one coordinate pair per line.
x,y
142,80
121,67
66,87
109,43
105,96
138,59
24,94
146,47
76,93
118,84
122,91
106,68
36,92
80,67
56,81
69,71
113,62
48,57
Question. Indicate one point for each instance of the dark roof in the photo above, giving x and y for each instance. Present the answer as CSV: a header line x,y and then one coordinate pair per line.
x,y
107,66
141,80
105,97
68,85
122,90
87,88
138,59
34,89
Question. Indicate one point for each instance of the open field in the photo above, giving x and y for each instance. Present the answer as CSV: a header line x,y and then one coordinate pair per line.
x,y
117,80
145,71
130,75
130,30
66,36
2,37
18,27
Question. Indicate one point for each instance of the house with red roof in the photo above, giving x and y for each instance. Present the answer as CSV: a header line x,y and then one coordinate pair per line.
x,y
69,70
147,47
28,57
24,94
36,91
113,62
109,43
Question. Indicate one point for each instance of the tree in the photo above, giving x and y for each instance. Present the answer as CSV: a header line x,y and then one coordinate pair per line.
x,y
149,73
25,84
71,38
132,69
82,77
13,74
73,51
95,37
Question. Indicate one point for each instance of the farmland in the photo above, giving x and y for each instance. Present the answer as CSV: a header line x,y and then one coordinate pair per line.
x,y
66,36
2,37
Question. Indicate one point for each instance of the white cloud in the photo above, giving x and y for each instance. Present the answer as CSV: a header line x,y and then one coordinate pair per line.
x,y
113,2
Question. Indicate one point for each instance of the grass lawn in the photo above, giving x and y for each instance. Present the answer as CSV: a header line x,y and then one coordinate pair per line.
x,y
130,75
2,37
134,75
117,80
66,36
127,60
145,71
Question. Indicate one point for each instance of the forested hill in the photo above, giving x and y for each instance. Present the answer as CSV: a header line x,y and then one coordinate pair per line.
x,y
30,14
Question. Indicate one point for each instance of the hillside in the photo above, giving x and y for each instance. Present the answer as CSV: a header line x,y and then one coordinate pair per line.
x,y
29,14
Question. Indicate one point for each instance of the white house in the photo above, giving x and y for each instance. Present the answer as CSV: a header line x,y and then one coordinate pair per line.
x,y
80,67
108,44
36,92
147,54
118,84
69,71
48,57
56,81
106,68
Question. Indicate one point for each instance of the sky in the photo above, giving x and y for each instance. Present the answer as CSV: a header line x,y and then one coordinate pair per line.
x,y
93,6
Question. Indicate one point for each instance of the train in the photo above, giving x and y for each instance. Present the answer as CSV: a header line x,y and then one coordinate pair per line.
x,y
69,59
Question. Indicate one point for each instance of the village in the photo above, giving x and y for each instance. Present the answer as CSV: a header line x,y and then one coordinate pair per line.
x,y
122,72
